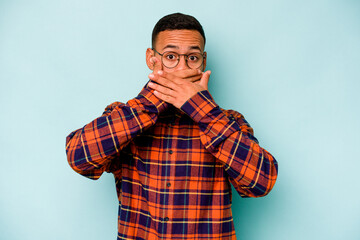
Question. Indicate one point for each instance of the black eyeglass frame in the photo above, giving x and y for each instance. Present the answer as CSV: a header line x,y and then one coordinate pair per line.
x,y
185,56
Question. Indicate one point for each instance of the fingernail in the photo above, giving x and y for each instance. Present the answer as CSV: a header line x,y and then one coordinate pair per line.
x,y
160,72
151,75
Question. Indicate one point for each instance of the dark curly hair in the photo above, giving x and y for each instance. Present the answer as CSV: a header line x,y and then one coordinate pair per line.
x,y
177,21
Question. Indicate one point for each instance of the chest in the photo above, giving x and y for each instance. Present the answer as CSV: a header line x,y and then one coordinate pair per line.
x,y
172,147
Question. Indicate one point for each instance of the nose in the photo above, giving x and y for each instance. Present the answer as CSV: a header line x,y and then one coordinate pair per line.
x,y
182,65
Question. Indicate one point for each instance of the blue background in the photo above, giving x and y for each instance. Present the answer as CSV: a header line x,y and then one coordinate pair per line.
x,y
291,67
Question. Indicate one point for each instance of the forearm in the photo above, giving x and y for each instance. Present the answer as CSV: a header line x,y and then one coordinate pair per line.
x,y
252,170
93,146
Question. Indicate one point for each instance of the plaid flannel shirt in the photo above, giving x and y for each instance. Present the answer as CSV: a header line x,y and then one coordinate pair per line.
x,y
173,167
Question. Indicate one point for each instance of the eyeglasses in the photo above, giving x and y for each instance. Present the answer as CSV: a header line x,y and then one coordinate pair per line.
x,y
171,59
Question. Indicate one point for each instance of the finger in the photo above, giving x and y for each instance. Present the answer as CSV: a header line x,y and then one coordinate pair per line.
x,y
189,76
161,89
187,73
153,76
157,68
164,97
156,63
193,78
204,81
165,82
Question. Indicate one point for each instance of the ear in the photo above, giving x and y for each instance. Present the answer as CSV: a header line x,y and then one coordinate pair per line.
x,y
149,54
204,63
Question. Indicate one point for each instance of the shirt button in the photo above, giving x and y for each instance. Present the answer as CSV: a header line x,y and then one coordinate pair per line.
x,y
168,184
170,151
166,219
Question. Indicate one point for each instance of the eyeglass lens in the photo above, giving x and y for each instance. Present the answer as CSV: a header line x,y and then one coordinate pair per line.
x,y
171,59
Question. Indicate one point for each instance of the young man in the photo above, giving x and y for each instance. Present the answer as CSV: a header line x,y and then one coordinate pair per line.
x,y
172,149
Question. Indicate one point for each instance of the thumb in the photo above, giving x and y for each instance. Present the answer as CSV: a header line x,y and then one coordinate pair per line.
x,y
156,63
204,81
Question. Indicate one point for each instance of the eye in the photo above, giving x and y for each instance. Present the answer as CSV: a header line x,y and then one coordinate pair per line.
x,y
193,57
171,56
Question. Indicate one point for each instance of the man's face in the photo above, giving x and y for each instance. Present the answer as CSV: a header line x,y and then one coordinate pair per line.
x,y
179,41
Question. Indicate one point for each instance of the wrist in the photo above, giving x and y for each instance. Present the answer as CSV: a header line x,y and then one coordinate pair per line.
x,y
148,93
200,105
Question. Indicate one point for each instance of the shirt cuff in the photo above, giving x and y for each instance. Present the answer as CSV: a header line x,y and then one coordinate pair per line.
x,y
212,121
200,105
148,93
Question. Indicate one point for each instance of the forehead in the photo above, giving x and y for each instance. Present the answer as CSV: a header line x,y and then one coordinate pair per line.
x,y
180,39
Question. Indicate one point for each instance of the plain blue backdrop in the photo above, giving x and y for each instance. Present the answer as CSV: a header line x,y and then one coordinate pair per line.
x,y
291,67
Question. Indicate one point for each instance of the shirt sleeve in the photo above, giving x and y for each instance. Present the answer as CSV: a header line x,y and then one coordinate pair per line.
x,y
90,149
227,136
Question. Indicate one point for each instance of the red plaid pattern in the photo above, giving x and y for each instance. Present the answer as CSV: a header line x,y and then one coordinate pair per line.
x,y
173,167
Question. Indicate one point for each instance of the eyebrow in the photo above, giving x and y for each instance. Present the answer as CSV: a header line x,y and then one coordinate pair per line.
x,y
176,47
